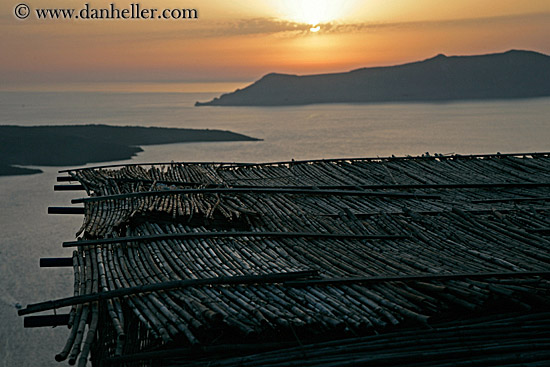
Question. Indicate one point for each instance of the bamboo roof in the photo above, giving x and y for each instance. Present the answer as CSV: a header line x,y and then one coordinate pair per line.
x,y
328,260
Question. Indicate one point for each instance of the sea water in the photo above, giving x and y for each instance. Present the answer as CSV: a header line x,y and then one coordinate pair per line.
x,y
27,232
299,132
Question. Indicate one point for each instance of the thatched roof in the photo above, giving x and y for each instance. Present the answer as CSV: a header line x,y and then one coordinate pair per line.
x,y
217,261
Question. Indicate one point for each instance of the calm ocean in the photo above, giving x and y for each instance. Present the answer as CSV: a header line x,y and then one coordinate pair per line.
x,y
305,132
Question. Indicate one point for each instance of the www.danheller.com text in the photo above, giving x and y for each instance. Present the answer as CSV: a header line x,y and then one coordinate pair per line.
x,y
89,12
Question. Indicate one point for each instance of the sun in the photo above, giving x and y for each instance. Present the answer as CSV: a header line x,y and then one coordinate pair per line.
x,y
313,12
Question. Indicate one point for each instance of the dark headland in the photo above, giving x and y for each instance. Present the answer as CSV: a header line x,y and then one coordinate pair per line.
x,y
512,74
78,145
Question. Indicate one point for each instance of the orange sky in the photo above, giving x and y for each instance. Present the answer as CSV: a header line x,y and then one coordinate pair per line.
x,y
241,40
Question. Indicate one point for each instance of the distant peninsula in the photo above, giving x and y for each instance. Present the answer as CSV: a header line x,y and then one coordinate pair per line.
x,y
512,74
80,144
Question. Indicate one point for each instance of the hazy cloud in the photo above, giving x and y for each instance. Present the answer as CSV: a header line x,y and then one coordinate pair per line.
x,y
470,22
248,27
259,26
282,28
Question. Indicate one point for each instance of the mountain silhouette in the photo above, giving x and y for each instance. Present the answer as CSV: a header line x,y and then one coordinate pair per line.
x,y
512,74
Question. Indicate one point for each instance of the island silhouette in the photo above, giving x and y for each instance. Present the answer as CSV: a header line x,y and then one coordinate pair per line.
x,y
512,74
71,145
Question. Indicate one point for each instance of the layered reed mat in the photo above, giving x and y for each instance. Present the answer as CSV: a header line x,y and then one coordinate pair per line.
x,y
509,340
378,261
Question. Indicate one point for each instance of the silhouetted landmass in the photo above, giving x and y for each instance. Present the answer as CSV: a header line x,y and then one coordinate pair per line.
x,y
7,170
78,145
513,74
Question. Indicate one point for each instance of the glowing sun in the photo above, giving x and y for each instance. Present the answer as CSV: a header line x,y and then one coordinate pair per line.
x,y
313,12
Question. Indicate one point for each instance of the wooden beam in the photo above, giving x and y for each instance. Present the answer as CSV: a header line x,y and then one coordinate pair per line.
x,y
225,190
406,158
190,235
436,212
66,210
46,320
515,200
146,288
56,262
288,279
473,185
415,278
354,159
68,188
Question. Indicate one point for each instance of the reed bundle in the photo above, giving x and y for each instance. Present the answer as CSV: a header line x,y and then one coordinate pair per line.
x,y
396,242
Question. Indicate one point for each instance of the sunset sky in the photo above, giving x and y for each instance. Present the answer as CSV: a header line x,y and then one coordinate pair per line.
x,y
239,41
